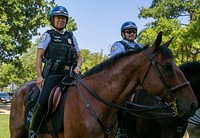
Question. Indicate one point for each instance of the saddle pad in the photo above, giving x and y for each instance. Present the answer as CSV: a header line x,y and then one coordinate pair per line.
x,y
29,102
54,123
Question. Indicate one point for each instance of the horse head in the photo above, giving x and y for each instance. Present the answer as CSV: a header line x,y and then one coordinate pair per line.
x,y
173,88
154,123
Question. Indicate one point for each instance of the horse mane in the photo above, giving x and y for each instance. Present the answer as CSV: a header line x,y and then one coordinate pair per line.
x,y
190,67
110,61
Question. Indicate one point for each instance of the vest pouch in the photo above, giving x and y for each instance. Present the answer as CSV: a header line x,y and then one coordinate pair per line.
x,y
71,57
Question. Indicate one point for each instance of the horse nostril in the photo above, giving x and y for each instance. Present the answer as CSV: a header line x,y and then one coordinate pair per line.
x,y
193,108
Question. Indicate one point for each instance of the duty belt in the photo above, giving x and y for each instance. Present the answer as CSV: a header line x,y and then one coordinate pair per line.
x,y
61,68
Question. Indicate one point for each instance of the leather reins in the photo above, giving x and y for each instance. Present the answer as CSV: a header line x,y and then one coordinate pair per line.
x,y
107,131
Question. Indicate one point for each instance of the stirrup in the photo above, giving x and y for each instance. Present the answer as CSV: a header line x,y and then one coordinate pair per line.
x,y
121,133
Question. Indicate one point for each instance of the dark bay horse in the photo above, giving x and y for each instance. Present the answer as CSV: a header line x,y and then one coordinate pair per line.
x,y
191,70
141,127
91,105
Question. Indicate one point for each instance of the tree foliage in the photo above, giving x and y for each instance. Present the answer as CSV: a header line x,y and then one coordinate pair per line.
x,y
176,18
91,59
20,73
71,26
19,21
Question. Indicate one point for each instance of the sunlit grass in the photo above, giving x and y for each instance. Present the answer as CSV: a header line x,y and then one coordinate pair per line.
x,y
4,126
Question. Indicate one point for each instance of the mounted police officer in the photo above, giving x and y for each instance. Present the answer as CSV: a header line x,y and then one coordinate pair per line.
x,y
129,34
60,50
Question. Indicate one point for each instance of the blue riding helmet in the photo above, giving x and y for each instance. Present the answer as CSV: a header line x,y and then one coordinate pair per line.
x,y
59,11
128,25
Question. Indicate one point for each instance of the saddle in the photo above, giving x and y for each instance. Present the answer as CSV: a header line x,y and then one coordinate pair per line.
x,y
53,122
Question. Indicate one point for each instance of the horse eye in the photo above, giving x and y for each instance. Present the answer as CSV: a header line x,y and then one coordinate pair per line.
x,y
167,67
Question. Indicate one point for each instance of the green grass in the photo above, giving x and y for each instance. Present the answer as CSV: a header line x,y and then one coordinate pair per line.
x,y
4,126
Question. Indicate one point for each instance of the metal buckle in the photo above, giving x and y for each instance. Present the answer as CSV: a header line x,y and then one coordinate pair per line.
x,y
66,68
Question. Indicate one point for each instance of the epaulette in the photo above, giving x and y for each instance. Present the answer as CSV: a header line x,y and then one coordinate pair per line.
x,y
70,33
50,31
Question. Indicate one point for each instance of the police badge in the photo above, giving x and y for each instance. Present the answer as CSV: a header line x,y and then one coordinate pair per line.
x,y
69,41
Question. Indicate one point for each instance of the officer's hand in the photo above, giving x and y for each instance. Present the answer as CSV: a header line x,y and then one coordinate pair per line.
x,y
40,82
77,69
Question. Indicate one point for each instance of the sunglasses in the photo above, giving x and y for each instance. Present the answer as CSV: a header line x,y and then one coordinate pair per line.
x,y
130,31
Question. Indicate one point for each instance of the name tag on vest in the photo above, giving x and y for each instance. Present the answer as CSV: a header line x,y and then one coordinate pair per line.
x,y
57,39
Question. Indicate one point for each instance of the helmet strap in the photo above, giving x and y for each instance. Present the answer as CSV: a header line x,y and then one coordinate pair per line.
x,y
123,35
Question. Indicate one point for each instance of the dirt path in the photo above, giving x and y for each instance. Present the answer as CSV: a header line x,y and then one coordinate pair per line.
x,y
4,108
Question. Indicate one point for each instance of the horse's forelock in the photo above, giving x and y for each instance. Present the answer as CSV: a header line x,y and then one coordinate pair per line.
x,y
166,51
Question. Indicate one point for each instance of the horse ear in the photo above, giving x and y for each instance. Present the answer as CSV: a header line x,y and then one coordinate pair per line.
x,y
168,42
158,41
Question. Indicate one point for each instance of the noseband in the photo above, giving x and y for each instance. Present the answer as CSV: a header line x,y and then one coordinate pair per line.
x,y
167,91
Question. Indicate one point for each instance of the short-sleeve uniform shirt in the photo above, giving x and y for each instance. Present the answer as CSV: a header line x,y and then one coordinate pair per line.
x,y
118,47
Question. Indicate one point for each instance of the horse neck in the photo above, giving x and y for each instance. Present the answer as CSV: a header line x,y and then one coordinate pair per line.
x,y
117,82
194,82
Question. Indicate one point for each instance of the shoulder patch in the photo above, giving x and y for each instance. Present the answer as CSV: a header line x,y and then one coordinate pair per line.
x,y
114,48
43,37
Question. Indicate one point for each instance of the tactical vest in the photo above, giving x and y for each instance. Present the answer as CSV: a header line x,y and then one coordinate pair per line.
x,y
127,47
61,48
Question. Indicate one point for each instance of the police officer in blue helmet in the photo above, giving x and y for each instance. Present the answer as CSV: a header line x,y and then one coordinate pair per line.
x,y
59,49
129,34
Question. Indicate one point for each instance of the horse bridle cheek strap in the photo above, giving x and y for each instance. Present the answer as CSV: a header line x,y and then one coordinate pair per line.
x,y
167,91
153,63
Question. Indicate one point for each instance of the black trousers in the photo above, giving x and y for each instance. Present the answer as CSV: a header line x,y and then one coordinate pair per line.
x,y
53,79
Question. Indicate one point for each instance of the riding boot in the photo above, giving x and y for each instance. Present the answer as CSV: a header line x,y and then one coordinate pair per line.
x,y
36,121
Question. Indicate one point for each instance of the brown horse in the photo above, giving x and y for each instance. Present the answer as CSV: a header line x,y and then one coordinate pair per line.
x,y
17,128
142,127
91,105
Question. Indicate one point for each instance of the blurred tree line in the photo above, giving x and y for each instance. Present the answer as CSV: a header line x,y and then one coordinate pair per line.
x,y
20,20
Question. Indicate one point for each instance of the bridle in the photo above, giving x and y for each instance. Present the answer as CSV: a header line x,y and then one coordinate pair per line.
x,y
167,91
